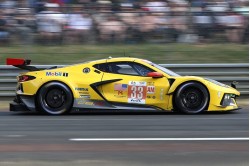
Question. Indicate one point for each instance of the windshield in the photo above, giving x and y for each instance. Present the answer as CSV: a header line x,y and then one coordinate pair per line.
x,y
165,70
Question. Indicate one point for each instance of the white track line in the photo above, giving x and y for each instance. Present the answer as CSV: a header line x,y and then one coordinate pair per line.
x,y
161,139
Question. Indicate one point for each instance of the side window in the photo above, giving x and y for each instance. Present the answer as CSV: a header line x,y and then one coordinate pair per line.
x,y
122,68
142,70
102,67
126,68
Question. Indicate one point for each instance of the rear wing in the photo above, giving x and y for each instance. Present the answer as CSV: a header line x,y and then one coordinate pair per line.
x,y
21,63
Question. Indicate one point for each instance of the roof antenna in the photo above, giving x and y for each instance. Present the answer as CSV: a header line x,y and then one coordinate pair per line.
x,y
124,54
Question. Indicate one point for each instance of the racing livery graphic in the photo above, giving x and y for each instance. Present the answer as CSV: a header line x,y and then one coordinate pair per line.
x,y
117,84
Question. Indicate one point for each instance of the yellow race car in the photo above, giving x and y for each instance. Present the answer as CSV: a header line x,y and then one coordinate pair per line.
x,y
117,84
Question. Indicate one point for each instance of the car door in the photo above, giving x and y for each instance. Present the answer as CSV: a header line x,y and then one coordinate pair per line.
x,y
128,83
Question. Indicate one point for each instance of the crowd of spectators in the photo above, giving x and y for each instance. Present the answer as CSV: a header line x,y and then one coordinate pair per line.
x,y
131,21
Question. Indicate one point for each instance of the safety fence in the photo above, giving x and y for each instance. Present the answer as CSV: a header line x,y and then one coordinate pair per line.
x,y
225,73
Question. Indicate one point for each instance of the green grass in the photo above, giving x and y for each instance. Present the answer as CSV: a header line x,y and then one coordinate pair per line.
x,y
159,53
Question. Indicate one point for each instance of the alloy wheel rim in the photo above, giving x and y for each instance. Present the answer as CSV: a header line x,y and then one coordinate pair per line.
x,y
55,98
192,99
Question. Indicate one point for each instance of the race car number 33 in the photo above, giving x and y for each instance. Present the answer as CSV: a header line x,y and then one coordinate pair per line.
x,y
137,92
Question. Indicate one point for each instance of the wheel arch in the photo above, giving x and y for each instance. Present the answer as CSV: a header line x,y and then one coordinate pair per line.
x,y
184,82
70,88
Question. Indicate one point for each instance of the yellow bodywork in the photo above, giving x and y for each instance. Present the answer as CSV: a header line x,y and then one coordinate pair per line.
x,y
155,92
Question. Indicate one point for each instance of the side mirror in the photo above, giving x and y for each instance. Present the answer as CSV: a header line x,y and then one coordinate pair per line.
x,y
155,75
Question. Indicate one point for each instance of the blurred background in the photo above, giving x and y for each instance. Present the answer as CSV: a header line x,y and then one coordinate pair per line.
x,y
169,31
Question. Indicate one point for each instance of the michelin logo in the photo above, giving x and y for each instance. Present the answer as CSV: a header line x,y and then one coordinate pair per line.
x,y
57,74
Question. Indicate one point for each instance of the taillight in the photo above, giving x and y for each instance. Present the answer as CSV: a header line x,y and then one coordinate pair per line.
x,y
24,78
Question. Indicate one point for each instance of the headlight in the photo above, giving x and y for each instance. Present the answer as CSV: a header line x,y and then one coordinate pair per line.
x,y
216,82
227,100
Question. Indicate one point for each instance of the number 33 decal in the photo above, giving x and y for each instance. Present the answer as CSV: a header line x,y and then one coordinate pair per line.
x,y
137,92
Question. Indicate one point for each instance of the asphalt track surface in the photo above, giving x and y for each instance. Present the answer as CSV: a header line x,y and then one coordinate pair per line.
x,y
124,139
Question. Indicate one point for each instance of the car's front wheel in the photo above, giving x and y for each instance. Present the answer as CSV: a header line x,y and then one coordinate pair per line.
x,y
191,98
54,98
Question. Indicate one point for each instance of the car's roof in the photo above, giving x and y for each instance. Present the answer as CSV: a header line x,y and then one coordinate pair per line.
x,y
109,59
116,59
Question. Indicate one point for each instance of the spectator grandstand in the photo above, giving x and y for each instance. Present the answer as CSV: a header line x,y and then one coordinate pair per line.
x,y
130,21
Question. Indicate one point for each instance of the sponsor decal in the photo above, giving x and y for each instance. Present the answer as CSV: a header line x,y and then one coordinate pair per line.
x,y
89,103
120,96
84,92
57,74
151,83
81,89
137,91
150,89
151,97
161,94
119,92
137,83
219,94
82,101
139,101
86,70
85,96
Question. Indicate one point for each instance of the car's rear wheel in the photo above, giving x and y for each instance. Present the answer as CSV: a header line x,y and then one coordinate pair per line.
x,y
55,98
191,98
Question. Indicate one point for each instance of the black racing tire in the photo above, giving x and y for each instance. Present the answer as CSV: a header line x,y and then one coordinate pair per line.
x,y
191,98
54,98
